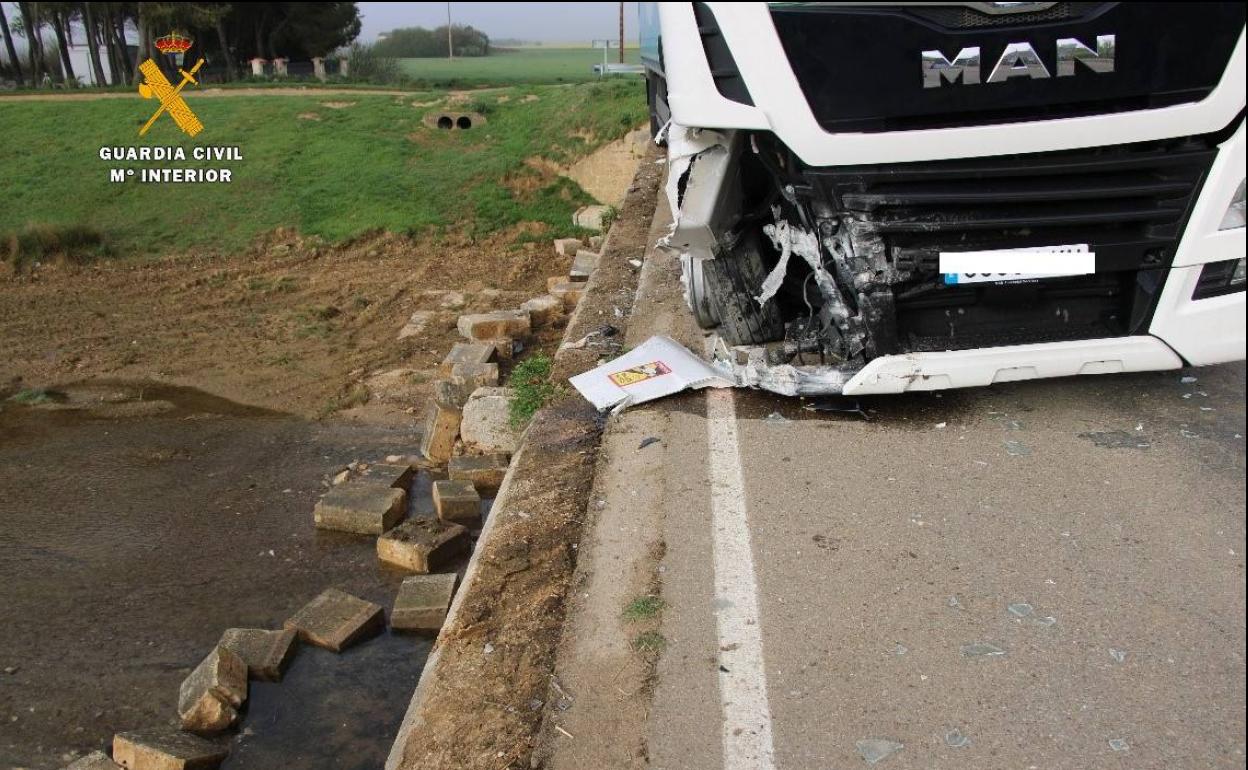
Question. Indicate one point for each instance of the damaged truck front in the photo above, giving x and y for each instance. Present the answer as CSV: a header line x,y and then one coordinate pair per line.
x,y
829,163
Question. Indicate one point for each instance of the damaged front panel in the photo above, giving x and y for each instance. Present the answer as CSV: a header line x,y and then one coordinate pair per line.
x,y
832,268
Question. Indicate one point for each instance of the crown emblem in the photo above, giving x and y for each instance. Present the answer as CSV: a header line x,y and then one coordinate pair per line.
x,y
173,43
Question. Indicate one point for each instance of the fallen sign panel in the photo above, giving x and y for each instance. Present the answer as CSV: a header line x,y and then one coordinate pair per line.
x,y
658,367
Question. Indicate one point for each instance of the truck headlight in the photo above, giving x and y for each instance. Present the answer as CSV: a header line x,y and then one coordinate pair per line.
x,y
1234,216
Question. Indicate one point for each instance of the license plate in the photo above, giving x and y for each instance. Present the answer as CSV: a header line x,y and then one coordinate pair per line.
x,y
1031,263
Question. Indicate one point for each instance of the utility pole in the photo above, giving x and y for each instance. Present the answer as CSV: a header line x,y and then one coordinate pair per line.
x,y
450,39
621,33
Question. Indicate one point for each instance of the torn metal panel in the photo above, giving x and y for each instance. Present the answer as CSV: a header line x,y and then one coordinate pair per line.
x,y
698,179
748,367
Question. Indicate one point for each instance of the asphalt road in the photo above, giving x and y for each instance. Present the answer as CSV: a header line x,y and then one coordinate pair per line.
x,y
1034,575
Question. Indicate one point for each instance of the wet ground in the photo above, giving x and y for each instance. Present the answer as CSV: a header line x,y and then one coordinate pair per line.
x,y
139,522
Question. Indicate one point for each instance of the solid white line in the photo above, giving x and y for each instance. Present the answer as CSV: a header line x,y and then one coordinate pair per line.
x,y
742,676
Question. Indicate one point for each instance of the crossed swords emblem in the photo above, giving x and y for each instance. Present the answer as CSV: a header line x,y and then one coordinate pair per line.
x,y
171,100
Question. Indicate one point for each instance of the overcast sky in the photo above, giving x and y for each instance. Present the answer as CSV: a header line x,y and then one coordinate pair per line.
x,y
544,22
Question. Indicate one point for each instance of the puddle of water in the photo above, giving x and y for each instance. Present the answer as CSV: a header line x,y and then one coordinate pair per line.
x,y
316,717
131,539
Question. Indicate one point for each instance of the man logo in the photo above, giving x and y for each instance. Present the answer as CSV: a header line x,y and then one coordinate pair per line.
x,y
1017,60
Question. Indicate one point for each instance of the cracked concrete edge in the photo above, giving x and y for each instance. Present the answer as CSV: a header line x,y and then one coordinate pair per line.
x,y
565,360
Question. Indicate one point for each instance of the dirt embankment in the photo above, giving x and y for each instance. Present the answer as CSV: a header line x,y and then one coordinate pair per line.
x,y
482,704
293,324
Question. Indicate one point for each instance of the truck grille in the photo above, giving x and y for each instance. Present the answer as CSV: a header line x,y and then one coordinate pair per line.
x,y
1129,201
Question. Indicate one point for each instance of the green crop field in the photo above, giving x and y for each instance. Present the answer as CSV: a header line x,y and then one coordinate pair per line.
x,y
331,165
519,65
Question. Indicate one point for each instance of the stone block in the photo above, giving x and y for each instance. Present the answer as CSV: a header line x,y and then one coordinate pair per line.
x,y
163,748
452,394
595,242
544,311
486,424
417,324
465,353
422,545
590,217
441,427
570,292
484,472
457,502
397,475
209,698
423,602
364,509
584,264
567,247
96,760
555,280
505,348
335,620
495,325
265,652
477,375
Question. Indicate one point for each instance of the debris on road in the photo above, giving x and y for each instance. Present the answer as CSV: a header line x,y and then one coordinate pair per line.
x,y
165,749
335,620
422,602
875,750
363,509
1116,439
209,698
982,650
837,404
954,739
423,545
648,441
96,760
265,652
658,367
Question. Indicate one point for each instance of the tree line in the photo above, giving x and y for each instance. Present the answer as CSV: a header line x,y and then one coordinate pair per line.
x,y
421,43
224,34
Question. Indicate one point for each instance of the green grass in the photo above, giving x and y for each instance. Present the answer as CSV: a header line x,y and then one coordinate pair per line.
x,y
531,388
643,608
520,65
35,396
370,166
75,243
649,643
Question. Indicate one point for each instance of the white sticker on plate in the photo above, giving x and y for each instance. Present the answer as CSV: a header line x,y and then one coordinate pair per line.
x,y
1025,264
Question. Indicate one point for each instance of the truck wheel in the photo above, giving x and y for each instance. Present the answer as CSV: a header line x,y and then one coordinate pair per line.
x,y
732,280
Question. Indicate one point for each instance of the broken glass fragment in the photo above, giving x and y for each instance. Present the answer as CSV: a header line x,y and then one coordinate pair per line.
x,y
954,739
982,650
874,750
1017,449
1020,609
1118,744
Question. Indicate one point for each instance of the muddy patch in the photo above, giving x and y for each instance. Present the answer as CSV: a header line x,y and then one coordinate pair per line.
x,y
131,543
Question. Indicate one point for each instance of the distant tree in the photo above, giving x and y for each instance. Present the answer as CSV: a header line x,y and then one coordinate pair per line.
x,y
12,51
421,43
93,42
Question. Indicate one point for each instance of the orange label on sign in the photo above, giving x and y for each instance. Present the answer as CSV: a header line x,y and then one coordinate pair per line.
x,y
640,373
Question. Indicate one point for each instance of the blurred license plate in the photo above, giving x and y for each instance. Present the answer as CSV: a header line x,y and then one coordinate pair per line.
x,y
1026,264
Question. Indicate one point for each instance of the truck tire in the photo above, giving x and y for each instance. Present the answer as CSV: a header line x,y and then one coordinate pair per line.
x,y
732,280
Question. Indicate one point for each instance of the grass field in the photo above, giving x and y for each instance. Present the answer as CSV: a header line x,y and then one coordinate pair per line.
x,y
520,65
331,166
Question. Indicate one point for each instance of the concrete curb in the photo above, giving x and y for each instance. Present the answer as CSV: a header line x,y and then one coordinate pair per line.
x,y
565,360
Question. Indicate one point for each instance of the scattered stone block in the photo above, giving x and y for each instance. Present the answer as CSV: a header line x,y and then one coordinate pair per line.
x,y
441,427
486,424
478,375
423,602
451,393
397,475
590,217
465,353
96,760
418,322
495,325
166,749
584,264
457,502
543,311
505,348
596,241
209,698
570,292
567,247
422,545
485,472
555,280
364,509
265,652
335,620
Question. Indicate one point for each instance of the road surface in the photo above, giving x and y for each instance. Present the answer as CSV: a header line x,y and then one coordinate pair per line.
x,y
1042,574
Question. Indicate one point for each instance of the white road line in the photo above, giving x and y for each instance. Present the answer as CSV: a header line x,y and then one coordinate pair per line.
x,y
742,676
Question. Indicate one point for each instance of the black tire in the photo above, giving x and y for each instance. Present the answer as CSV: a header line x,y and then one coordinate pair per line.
x,y
733,279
